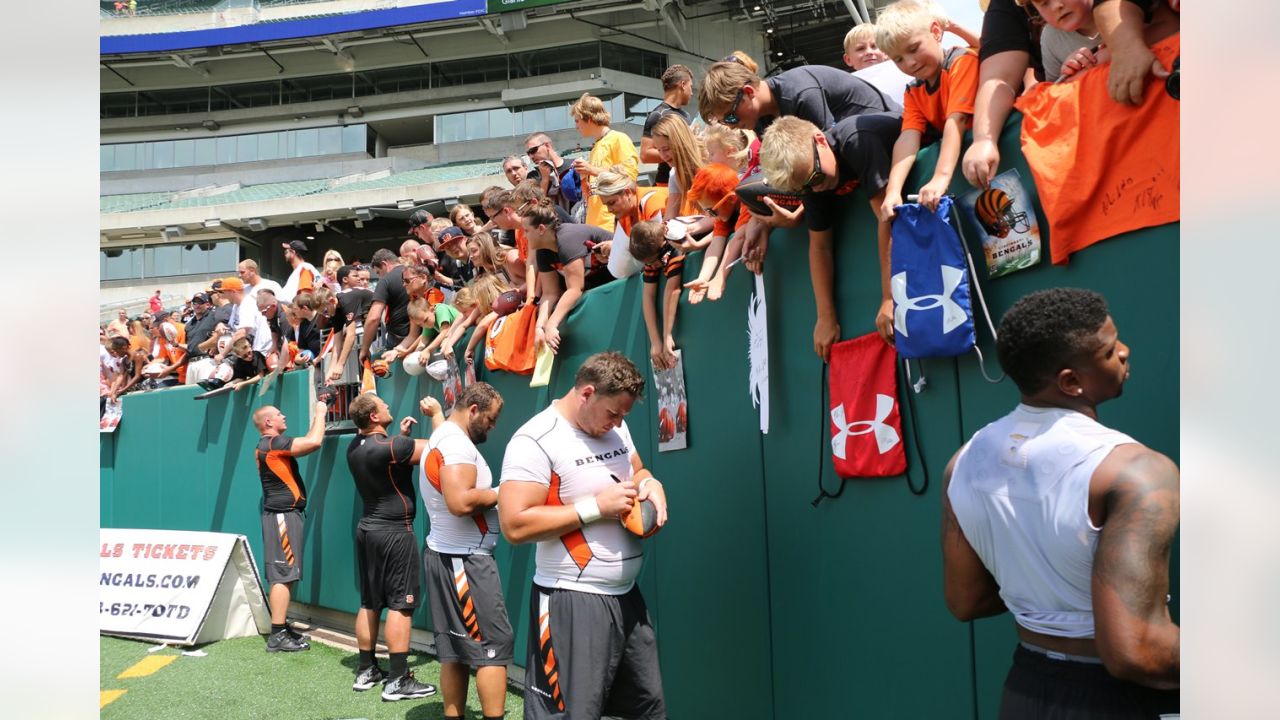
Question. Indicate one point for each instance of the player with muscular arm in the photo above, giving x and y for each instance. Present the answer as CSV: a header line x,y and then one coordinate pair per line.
x,y
1067,524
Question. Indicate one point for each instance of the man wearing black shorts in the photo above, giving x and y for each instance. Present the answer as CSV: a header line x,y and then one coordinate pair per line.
x,y
284,498
568,474
386,546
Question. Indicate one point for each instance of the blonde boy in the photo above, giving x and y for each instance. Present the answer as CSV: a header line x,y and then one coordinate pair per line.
x,y
826,167
938,101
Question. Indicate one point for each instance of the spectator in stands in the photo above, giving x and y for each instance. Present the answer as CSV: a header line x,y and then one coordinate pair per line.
x,y
419,230
555,175
735,95
139,338
492,201
500,207
303,277
155,303
131,361
111,355
661,259
677,91
329,271
348,326
868,62
618,192
120,326
713,193
796,156
391,299
612,148
560,251
299,330
248,366
475,303
246,320
461,216
939,102
133,8
272,311
515,170
455,261
685,155
1009,51
489,257
253,282
168,353
199,332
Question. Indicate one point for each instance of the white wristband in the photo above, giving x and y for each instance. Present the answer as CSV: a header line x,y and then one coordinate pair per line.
x,y
588,510
640,488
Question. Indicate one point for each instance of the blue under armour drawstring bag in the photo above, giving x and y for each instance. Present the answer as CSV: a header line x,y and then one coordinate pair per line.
x,y
929,279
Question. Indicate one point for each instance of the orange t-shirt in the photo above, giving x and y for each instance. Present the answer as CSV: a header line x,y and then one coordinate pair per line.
x,y
650,202
927,108
1102,168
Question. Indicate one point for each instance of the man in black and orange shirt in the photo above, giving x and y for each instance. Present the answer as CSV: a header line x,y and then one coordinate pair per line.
x,y
386,547
284,498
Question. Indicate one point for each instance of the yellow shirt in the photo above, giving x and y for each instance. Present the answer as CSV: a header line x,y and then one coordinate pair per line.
x,y
612,149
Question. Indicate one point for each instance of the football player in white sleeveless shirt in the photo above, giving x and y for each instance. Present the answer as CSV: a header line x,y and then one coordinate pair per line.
x,y
1067,524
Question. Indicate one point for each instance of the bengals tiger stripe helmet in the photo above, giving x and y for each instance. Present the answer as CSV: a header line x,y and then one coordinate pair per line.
x,y
995,212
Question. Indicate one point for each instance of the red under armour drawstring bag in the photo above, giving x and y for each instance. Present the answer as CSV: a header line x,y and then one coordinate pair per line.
x,y
866,424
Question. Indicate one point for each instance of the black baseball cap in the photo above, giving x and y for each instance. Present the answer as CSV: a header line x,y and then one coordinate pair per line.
x,y
419,217
215,286
295,245
200,298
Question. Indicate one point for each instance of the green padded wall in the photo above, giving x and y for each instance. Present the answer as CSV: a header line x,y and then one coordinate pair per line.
x,y
766,606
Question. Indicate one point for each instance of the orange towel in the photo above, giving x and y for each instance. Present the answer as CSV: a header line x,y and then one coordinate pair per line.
x,y
1102,168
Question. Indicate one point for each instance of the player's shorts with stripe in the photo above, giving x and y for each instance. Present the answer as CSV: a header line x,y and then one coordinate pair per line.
x,y
591,655
389,569
1039,686
467,609
282,546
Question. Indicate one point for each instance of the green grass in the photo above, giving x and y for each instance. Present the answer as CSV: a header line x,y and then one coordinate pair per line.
x,y
239,680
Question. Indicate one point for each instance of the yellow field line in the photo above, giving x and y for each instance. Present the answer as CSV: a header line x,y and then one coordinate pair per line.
x,y
146,666
106,697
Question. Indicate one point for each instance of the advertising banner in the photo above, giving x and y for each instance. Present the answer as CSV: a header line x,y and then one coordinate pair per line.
x,y
178,586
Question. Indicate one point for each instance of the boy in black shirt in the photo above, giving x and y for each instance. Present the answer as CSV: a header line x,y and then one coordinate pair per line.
x,y
796,156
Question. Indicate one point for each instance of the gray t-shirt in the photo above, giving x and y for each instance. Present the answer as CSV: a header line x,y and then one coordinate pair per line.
x,y
1057,45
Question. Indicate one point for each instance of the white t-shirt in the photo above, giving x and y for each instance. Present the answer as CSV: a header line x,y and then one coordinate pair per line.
x,y
263,284
249,316
603,557
290,289
450,534
887,78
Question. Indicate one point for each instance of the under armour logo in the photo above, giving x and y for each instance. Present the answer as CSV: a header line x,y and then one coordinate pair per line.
x,y
953,314
886,436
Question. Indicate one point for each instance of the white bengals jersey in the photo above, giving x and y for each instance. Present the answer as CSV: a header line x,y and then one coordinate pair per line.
x,y
450,534
602,557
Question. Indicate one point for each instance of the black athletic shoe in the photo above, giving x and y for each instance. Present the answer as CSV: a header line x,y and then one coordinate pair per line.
x,y
293,633
282,641
406,687
368,677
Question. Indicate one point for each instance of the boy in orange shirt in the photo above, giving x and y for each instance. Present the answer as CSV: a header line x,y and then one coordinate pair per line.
x,y
938,101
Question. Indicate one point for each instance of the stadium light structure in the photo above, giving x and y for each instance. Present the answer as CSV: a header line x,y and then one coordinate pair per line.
x,y
212,222
257,224
210,125
364,214
404,204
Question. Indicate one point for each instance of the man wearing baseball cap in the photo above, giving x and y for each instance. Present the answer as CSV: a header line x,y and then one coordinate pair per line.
x,y
199,331
420,230
303,277
246,320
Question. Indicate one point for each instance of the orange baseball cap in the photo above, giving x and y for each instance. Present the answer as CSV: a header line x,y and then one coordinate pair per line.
x,y
232,283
